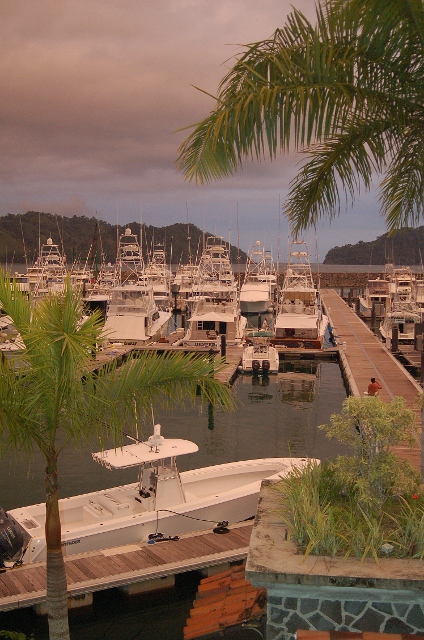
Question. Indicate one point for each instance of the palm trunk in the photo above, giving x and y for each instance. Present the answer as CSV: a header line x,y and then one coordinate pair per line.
x,y
57,596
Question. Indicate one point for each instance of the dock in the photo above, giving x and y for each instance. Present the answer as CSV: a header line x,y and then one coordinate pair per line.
x,y
127,565
363,356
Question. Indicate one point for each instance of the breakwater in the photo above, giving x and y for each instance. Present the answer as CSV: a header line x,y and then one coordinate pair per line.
x,y
339,279
330,280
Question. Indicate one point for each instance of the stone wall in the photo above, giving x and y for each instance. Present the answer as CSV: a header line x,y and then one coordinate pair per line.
x,y
329,594
292,607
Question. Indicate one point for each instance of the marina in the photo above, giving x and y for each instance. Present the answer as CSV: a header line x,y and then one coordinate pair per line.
x,y
297,383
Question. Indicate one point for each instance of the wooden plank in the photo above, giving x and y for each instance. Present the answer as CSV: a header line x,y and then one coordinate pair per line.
x,y
367,357
9,583
25,586
84,567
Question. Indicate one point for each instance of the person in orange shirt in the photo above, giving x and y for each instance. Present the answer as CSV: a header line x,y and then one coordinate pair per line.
x,y
374,387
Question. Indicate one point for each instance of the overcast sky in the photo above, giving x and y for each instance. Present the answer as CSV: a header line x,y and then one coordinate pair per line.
x,y
93,92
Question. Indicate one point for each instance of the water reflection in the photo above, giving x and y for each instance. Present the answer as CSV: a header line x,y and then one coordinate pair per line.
x,y
275,416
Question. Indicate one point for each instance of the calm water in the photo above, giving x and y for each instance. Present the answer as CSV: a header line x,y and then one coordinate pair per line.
x,y
274,417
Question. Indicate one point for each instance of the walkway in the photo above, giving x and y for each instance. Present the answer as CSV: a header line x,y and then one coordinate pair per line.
x,y
89,572
365,357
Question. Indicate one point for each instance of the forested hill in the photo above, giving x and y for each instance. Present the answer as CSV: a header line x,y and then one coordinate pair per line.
x,y
82,237
405,247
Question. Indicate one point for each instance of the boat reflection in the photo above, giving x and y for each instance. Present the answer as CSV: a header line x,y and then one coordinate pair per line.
x,y
295,383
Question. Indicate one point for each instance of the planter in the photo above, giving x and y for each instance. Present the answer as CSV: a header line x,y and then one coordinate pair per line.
x,y
329,594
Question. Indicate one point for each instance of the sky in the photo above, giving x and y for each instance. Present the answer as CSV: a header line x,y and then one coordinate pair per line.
x,y
94,95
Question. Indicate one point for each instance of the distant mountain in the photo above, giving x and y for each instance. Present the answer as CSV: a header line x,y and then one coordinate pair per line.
x,y
82,237
405,247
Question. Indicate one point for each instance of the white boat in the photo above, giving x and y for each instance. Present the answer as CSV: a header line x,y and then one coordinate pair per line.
x,y
160,277
132,315
401,284
48,273
162,503
258,289
212,318
376,295
182,287
300,321
260,357
404,312
98,297
215,277
404,317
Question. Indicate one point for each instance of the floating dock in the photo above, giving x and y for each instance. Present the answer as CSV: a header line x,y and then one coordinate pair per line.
x,y
363,356
128,567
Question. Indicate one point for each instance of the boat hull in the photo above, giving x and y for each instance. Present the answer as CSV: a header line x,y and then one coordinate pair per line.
x,y
227,492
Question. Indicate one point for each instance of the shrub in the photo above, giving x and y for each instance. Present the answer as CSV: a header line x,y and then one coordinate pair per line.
x,y
360,505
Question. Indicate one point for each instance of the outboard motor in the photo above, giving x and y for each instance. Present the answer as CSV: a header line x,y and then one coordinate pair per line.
x,y
256,365
266,365
13,540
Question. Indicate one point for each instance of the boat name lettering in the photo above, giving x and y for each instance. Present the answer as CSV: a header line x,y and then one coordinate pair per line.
x,y
68,542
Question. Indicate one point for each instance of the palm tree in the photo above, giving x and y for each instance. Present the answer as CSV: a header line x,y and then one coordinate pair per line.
x,y
56,399
349,92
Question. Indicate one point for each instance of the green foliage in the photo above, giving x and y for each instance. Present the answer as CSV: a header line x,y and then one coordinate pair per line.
x,y
402,247
371,427
90,239
347,91
14,635
356,504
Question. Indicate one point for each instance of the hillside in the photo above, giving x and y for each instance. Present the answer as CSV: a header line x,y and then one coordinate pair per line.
x,y
405,247
79,235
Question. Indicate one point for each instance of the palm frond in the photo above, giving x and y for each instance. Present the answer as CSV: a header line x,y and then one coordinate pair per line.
x,y
308,86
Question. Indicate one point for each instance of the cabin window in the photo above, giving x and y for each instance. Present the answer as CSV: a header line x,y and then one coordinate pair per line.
x,y
223,328
206,325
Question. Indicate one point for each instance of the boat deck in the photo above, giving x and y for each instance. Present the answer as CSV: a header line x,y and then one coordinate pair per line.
x,y
364,356
86,573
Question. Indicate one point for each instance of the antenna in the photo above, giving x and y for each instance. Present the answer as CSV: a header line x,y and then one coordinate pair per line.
x,y
238,247
39,233
23,242
279,236
117,229
188,236
141,230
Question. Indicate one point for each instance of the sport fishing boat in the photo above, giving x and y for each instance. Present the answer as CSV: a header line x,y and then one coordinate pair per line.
x,y
404,317
214,277
48,273
160,277
258,289
132,315
212,318
375,298
163,503
300,322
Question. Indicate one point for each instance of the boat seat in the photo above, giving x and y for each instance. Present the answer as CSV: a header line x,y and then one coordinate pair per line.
x,y
115,505
95,512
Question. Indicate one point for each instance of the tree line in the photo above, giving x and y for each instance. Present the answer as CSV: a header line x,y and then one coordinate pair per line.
x,y
88,239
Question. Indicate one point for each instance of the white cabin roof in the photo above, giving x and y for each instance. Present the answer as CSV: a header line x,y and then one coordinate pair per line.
x,y
212,316
289,320
134,455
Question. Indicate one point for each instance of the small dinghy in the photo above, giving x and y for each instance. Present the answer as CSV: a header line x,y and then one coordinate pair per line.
x,y
162,504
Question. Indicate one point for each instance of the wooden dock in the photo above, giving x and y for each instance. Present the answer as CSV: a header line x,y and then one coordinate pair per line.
x,y
120,566
363,356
